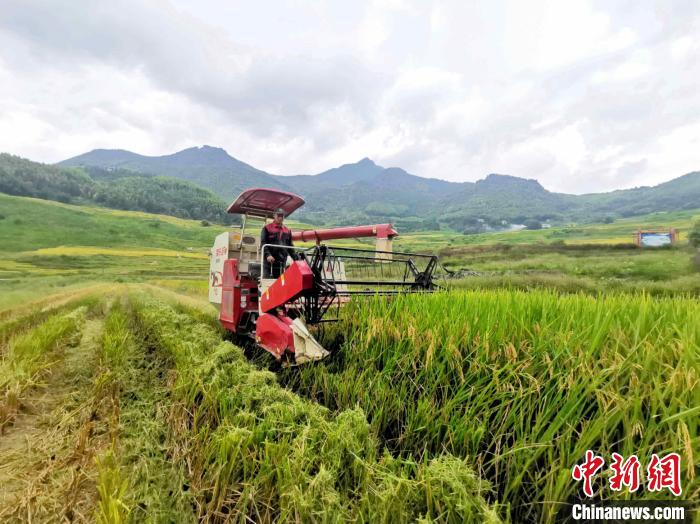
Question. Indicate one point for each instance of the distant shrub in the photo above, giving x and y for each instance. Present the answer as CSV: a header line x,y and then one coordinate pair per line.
x,y
155,224
532,224
472,230
608,220
2,217
205,223
694,235
696,261
17,221
430,224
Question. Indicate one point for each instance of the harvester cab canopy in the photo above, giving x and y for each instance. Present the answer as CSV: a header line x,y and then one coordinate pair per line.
x,y
263,202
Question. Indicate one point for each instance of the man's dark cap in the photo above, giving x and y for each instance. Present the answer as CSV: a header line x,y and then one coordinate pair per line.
x,y
279,211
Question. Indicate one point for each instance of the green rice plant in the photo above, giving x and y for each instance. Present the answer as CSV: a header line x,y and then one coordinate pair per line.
x,y
111,489
18,324
138,481
31,354
256,451
523,383
196,287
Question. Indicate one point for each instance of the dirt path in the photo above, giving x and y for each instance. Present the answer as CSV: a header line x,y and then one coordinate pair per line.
x,y
47,466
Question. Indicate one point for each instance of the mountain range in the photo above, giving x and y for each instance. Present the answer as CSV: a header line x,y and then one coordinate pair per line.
x,y
363,191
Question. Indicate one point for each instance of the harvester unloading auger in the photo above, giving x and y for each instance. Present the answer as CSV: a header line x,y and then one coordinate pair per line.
x,y
277,312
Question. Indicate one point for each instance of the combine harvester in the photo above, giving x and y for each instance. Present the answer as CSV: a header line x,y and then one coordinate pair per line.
x,y
276,312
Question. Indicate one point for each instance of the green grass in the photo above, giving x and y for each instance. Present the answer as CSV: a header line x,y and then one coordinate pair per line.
x,y
621,231
522,382
599,262
576,267
31,224
46,246
584,257
30,354
688,285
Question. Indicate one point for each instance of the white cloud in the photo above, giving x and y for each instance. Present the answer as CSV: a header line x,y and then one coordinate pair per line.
x,y
583,95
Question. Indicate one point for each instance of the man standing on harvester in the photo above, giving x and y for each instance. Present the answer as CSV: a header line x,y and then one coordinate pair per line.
x,y
280,235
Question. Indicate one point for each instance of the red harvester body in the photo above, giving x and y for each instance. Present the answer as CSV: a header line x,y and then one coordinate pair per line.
x,y
277,312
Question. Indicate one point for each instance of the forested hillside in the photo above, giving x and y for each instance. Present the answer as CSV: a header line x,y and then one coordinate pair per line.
x,y
118,189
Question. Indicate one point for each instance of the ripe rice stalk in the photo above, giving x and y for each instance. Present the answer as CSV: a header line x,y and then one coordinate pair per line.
x,y
523,382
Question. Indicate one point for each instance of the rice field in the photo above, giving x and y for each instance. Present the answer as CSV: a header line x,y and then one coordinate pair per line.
x,y
461,406
523,383
184,428
121,400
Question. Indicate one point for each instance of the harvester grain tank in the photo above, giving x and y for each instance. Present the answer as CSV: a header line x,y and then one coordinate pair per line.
x,y
277,313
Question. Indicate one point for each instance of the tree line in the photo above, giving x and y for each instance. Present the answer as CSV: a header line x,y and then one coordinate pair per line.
x,y
117,189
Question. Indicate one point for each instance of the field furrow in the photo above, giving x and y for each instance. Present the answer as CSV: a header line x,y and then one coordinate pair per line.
x,y
48,470
31,355
138,478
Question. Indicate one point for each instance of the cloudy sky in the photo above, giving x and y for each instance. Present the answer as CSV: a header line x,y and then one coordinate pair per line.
x,y
581,95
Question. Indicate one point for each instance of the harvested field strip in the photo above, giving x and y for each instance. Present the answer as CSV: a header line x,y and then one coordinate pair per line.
x,y
197,307
138,480
22,323
90,251
29,355
195,287
52,302
48,469
258,452
522,383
